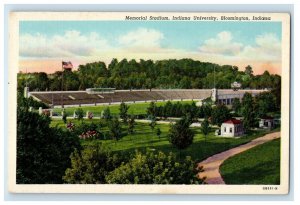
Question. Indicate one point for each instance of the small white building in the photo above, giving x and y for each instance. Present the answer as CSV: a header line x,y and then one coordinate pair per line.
x,y
266,122
232,128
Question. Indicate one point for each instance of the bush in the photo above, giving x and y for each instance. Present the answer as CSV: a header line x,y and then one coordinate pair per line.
x,y
79,114
42,152
220,114
91,165
155,168
180,135
87,131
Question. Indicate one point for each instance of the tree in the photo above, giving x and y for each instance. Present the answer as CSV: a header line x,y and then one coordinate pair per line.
x,y
123,111
249,70
205,129
151,110
42,152
131,124
115,130
155,168
219,114
180,135
236,105
265,102
79,113
91,165
152,122
248,111
105,114
64,116
158,133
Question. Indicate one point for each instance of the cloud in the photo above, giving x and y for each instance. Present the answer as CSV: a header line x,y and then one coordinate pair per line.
x,y
267,48
221,44
142,38
71,43
75,44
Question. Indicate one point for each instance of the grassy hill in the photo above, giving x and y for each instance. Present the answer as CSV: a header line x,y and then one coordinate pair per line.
x,y
144,138
259,165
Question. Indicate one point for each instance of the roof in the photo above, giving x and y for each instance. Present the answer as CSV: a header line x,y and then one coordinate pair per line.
x,y
233,121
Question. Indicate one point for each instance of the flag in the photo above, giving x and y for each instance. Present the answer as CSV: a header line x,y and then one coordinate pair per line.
x,y
67,65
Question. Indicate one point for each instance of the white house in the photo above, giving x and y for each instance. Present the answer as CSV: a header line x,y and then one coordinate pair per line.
x,y
266,122
232,128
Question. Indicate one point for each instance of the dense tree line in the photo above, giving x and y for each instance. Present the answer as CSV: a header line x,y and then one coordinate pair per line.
x,y
178,109
42,152
147,74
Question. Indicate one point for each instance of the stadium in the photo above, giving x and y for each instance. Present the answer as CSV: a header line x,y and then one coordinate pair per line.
x,y
102,96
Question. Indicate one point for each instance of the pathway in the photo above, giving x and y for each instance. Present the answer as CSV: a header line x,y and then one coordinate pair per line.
x,y
212,164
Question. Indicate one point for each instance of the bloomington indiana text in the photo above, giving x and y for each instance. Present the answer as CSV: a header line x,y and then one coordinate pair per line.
x,y
198,18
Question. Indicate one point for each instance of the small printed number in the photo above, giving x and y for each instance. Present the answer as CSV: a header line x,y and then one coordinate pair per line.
x,y
269,188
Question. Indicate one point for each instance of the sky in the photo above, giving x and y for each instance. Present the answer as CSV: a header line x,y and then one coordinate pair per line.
x,y
44,44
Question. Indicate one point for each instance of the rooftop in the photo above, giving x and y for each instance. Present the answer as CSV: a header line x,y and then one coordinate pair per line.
x,y
233,121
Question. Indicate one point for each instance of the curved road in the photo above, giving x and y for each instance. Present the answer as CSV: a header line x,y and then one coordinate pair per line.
x,y
212,164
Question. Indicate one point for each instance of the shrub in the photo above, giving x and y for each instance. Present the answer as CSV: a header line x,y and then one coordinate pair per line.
x,y
180,135
155,168
91,165
42,152
79,114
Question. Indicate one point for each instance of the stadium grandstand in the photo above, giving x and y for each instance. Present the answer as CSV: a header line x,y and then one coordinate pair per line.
x,y
98,96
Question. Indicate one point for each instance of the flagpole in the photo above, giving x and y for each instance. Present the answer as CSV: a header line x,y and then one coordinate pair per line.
x,y
62,84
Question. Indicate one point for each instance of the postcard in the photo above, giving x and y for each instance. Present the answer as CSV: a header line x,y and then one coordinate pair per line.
x,y
149,102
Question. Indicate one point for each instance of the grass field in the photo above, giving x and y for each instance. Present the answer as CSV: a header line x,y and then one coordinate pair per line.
x,y
144,138
136,108
259,165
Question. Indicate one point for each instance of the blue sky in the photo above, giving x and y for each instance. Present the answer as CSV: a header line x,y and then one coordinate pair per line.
x,y
237,43
178,34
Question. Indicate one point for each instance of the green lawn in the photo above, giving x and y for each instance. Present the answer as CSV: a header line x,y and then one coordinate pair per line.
x,y
259,165
144,138
137,108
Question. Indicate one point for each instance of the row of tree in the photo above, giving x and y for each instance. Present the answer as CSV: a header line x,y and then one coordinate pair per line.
x,y
147,74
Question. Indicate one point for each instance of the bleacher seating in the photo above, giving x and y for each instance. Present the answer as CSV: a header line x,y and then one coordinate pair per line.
x,y
82,97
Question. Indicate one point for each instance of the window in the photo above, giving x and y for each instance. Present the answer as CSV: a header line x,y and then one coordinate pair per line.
x,y
230,130
224,129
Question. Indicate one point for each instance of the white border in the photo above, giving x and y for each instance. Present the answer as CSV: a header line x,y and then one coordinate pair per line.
x,y
159,189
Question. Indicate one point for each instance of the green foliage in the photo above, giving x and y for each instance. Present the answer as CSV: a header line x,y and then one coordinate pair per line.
x,y
155,168
180,135
86,127
106,114
248,111
123,111
152,122
236,106
42,152
175,109
64,116
158,132
115,129
205,129
143,137
147,74
79,113
131,124
151,110
29,102
265,102
220,113
248,70
91,165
